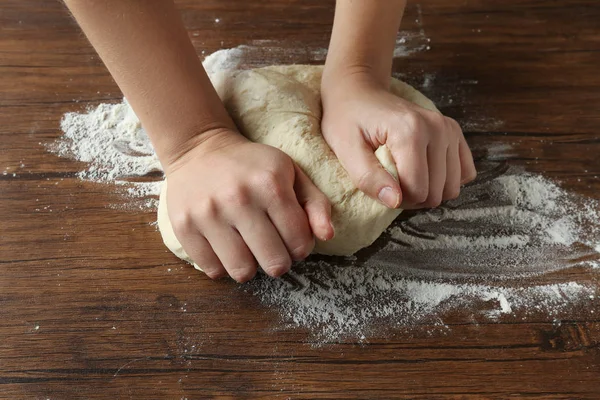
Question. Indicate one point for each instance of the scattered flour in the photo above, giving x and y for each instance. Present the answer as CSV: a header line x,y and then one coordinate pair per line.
x,y
486,252
499,151
111,140
356,302
481,124
260,53
408,43
503,225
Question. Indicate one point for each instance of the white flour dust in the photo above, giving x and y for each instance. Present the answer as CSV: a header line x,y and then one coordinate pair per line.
x,y
111,140
487,251
408,43
513,224
355,302
261,53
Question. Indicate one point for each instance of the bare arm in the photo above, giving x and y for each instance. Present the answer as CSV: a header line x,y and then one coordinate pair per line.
x,y
149,54
220,184
363,38
360,114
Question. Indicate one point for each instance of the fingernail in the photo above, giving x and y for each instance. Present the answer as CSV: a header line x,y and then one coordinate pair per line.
x,y
389,197
325,237
332,231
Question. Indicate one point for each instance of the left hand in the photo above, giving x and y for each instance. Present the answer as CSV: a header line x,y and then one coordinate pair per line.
x,y
429,149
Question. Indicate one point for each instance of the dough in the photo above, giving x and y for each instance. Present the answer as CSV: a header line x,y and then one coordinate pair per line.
x,y
281,106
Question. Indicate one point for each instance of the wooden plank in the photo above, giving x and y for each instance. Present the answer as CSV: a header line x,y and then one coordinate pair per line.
x,y
93,306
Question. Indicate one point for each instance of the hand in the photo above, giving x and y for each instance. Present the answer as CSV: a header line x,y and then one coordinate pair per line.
x,y
233,203
429,150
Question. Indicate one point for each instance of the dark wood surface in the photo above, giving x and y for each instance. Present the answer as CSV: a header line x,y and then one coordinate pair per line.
x,y
89,310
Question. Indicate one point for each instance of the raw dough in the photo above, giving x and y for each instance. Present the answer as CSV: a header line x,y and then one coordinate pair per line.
x,y
281,106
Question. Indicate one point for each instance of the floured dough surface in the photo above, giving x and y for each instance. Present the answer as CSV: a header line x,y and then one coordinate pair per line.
x,y
281,106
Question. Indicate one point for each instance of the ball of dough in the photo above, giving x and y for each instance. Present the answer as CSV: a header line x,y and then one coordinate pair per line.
x,y
280,106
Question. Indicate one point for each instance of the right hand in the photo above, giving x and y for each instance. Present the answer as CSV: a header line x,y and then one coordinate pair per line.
x,y
431,154
234,204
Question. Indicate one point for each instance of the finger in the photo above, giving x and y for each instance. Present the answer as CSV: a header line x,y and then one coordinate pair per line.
x,y
436,158
453,173
264,242
232,251
366,172
413,171
200,251
291,223
467,166
315,204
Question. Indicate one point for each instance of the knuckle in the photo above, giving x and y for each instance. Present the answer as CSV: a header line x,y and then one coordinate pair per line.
x,y
439,120
433,201
454,125
416,132
365,181
419,196
303,250
318,200
413,121
278,271
237,196
284,163
242,274
451,193
416,137
278,266
213,273
318,197
471,175
206,209
270,181
182,223
322,202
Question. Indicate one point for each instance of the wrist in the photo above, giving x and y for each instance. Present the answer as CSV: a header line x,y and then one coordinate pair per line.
x,y
356,70
348,80
363,39
201,143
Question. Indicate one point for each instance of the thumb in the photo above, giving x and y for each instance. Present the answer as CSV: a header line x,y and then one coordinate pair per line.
x,y
367,173
315,204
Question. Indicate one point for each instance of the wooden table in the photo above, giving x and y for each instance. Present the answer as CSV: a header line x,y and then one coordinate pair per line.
x,y
88,309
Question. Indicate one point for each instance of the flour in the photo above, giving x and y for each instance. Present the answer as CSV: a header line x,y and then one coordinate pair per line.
x,y
354,302
111,140
486,253
506,226
408,43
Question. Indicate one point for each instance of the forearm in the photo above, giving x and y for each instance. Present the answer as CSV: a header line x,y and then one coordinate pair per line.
x,y
363,38
149,54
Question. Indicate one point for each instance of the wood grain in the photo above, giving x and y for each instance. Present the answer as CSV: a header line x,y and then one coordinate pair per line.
x,y
89,308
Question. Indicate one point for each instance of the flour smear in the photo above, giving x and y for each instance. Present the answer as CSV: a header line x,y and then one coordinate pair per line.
x,y
489,252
